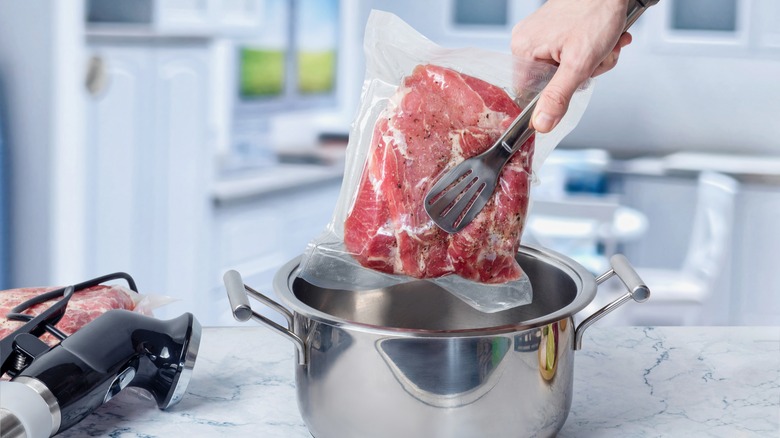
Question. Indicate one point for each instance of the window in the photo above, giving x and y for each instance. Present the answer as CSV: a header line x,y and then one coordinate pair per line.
x,y
480,13
704,15
701,27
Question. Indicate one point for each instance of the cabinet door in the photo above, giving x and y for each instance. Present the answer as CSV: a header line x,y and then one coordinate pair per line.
x,y
755,298
236,16
179,157
117,130
209,16
149,180
700,27
257,237
767,17
669,205
190,15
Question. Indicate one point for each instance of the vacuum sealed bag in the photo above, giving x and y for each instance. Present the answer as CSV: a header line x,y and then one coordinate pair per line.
x,y
424,109
85,306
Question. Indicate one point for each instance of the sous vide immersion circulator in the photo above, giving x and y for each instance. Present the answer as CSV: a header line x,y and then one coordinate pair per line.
x,y
53,388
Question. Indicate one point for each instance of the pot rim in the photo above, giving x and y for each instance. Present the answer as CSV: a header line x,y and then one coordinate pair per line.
x,y
583,279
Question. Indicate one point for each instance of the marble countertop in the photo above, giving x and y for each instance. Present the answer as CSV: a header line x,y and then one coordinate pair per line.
x,y
628,382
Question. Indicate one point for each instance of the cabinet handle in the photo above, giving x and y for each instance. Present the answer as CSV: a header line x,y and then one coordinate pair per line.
x,y
97,76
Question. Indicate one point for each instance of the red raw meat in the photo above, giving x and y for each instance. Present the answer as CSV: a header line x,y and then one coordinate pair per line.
x,y
83,307
437,118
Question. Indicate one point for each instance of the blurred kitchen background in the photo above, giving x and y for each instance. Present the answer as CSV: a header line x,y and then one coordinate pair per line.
x,y
176,139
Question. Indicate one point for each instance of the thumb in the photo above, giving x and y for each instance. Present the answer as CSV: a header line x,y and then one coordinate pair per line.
x,y
555,97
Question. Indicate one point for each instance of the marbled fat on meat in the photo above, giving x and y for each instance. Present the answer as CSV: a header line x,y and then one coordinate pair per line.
x,y
437,118
83,307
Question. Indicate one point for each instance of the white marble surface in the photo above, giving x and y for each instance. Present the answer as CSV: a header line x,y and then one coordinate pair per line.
x,y
629,382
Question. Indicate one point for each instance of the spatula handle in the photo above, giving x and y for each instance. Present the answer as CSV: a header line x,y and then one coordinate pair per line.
x,y
635,9
519,131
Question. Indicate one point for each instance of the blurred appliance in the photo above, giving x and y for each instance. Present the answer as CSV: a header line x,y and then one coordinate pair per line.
x,y
680,296
578,226
577,170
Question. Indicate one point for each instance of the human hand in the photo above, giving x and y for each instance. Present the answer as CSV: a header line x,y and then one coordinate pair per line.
x,y
582,37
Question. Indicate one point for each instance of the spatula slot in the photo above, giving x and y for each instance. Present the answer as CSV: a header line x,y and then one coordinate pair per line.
x,y
470,197
447,189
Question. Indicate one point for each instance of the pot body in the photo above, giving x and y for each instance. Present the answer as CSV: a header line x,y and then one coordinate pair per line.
x,y
413,361
359,384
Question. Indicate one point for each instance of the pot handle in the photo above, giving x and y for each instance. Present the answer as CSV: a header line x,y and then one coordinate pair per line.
x,y
637,291
237,293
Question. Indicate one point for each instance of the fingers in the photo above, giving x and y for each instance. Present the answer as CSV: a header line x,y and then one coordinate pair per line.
x,y
612,58
608,63
624,40
554,99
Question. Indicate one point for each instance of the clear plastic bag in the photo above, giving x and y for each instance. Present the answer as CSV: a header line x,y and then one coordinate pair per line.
x,y
424,108
85,305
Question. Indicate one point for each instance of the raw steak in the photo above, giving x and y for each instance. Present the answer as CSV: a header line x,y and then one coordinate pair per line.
x,y
437,118
84,306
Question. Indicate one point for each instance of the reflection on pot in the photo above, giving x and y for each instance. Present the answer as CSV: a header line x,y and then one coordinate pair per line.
x,y
528,340
446,372
548,348
325,341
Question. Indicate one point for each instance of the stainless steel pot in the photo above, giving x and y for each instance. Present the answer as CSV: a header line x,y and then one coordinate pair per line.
x,y
415,361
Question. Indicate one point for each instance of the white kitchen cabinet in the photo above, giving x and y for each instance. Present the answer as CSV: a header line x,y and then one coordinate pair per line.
x,y
767,29
177,17
720,28
669,204
755,256
751,295
118,141
256,236
149,169
214,16
698,27
455,23
151,191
